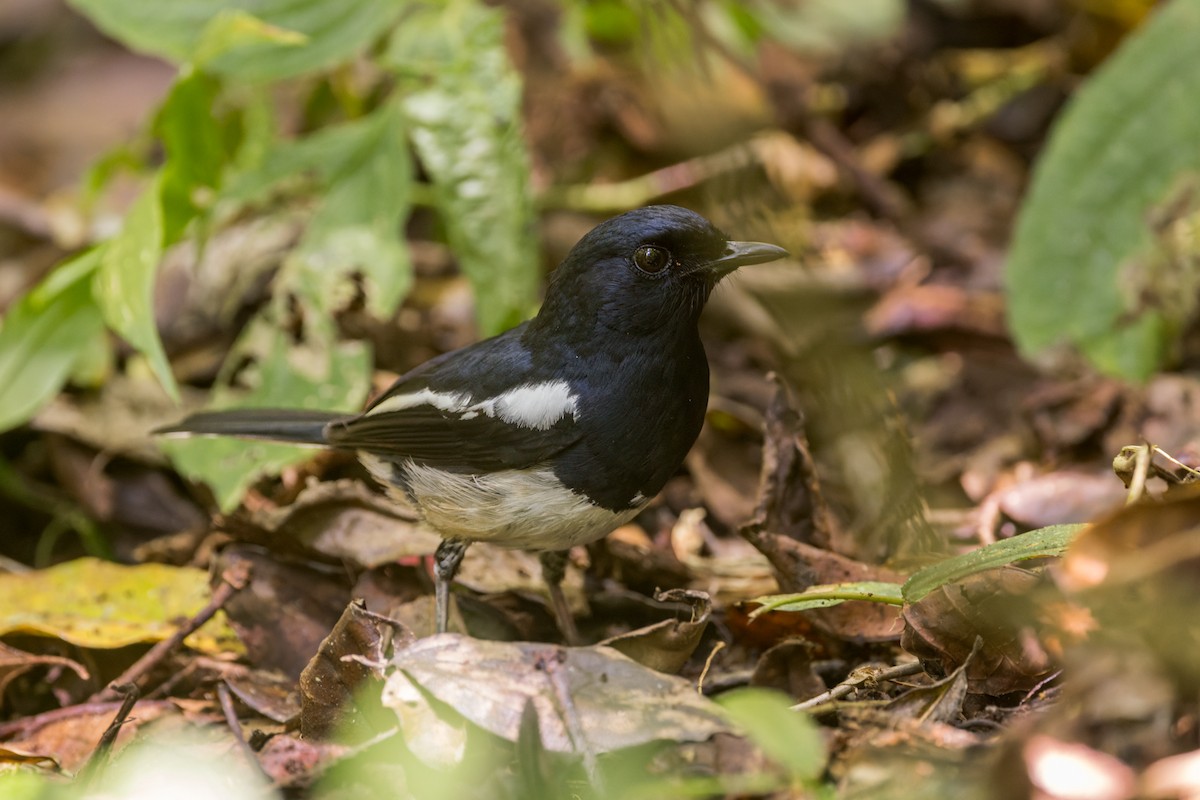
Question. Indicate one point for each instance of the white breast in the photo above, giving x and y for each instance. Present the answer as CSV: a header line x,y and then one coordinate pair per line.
x,y
527,509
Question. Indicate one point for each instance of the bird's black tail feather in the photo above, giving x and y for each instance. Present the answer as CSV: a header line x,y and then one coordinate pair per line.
x,y
274,424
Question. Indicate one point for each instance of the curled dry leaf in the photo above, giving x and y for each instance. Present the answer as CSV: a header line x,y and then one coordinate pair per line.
x,y
667,645
995,606
271,694
587,699
349,657
1137,575
940,701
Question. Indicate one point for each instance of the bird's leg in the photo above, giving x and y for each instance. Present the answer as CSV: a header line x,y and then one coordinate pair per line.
x,y
554,568
446,558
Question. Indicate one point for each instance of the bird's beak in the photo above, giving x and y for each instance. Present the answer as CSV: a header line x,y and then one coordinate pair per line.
x,y
739,254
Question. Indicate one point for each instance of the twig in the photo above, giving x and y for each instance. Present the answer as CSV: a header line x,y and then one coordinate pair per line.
x,y
26,725
1141,470
99,756
856,679
233,580
235,727
1039,686
566,704
708,665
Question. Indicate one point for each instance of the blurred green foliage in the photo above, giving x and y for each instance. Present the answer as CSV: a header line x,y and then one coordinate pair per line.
x,y
383,84
1106,255
398,77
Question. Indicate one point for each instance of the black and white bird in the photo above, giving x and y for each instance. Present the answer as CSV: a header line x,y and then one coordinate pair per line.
x,y
555,432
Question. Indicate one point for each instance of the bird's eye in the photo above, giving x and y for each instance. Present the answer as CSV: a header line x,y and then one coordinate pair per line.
x,y
651,259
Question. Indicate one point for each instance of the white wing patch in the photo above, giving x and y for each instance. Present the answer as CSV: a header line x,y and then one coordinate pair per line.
x,y
532,405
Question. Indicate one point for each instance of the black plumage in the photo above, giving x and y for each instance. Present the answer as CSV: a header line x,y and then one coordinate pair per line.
x,y
560,429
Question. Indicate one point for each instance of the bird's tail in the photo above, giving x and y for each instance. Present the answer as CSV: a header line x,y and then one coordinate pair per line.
x,y
274,424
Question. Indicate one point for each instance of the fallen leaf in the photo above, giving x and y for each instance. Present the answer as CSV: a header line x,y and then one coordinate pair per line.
x,y
349,658
667,645
941,630
94,603
588,699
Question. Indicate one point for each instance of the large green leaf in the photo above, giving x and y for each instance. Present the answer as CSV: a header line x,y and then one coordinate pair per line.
x,y
357,228
1083,267
362,172
179,30
463,104
195,143
43,336
124,283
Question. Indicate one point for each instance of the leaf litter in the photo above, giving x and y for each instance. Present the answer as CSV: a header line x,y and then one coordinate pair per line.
x,y
1053,677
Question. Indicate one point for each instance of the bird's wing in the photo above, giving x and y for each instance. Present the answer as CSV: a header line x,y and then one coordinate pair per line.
x,y
479,409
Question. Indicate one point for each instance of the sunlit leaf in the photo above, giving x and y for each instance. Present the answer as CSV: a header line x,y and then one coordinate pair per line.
x,y
93,603
232,28
195,146
463,105
357,228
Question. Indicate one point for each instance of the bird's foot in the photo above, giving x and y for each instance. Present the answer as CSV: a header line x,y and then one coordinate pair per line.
x,y
554,568
446,560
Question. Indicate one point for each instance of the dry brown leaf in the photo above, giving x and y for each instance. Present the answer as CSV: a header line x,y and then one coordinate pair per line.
x,y
942,627
667,645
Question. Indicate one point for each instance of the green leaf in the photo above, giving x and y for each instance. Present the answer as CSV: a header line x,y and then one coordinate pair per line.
x,y
1077,272
1042,543
357,227
289,37
830,594
124,283
44,335
195,143
463,105
789,738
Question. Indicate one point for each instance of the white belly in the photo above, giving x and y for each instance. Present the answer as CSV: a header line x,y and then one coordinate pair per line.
x,y
523,509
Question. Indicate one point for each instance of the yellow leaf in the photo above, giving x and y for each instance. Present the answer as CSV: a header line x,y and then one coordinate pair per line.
x,y
94,603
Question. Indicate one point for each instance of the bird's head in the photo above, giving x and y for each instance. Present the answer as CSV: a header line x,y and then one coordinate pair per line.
x,y
649,269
